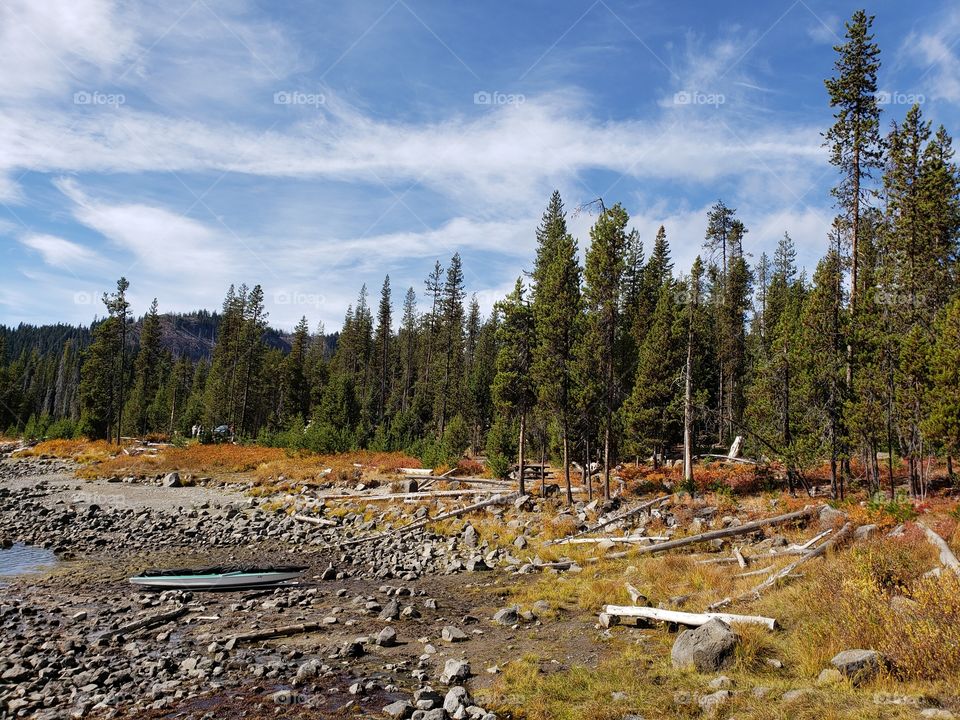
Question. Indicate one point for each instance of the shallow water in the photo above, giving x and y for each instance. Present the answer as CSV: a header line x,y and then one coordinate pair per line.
x,y
22,559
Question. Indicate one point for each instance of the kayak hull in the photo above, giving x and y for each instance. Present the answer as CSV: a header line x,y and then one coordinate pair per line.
x,y
218,581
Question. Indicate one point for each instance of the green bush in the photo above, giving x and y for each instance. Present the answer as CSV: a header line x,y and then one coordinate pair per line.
x,y
499,465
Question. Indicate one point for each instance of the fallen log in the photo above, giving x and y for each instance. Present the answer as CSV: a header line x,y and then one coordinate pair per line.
x,y
323,522
495,500
722,533
611,521
149,622
270,633
403,496
947,558
758,571
685,618
611,538
816,552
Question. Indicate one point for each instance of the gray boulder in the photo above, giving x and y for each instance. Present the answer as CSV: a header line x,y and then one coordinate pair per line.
x,y
399,709
859,665
455,671
172,480
707,648
507,616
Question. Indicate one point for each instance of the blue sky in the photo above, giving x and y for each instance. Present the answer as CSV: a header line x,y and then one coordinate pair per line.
x,y
311,147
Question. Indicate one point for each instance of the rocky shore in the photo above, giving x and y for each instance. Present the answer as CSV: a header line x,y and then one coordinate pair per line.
x,y
393,614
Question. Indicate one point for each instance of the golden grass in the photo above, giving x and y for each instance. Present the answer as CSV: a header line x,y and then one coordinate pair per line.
x,y
83,451
872,595
267,465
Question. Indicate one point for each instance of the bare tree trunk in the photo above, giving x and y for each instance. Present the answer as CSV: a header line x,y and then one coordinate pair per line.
x,y
606,457
586,469
520,464
688,414
566,462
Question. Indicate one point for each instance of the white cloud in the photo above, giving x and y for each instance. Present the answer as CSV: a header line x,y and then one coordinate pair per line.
x,y
47,47
59,252
935,52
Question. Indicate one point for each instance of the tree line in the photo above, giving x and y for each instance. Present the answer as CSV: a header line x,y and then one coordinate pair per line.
x,y
614,358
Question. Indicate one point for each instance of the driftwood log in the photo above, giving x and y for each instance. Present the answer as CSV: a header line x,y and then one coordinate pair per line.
x,y
323,522
495,500
947,558
685,618
149,622
610,521
783,572
267,634
723,533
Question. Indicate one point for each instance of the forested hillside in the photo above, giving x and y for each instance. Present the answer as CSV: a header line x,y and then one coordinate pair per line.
x,y
607,354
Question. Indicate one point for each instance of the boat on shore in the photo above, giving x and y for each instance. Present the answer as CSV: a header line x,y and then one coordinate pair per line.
x,y
218,578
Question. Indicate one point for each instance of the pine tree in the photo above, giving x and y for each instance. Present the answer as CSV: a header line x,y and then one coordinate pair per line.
x,y
603,275
653,414
146,372
943,422
408,340
855,145
557,313
382,349
450,381
295,402
696,320
514,392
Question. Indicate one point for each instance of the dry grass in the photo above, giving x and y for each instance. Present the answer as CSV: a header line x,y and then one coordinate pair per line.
x,y
82,451
273,468
878,598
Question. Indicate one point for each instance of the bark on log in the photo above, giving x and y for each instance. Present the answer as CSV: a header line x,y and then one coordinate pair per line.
x,y
685,618
495,500
151,621
611,538
324,522
947,558
283,631
403,496
816,552
611,521
723,533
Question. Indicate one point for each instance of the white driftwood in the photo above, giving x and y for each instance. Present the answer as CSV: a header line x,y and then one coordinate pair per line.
x,y
323,522
723,533
783,572
947,558
739,556
495,500
611,521
416,471
612,539
403,496
758,571
685,618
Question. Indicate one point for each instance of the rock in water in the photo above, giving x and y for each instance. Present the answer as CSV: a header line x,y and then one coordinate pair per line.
x,y
707,648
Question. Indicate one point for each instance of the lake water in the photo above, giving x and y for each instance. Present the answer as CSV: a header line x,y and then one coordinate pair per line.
x,y
21,559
